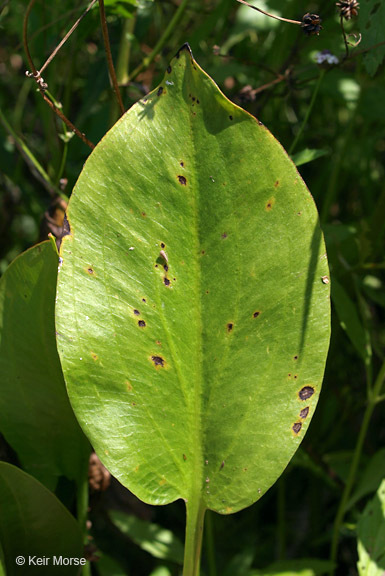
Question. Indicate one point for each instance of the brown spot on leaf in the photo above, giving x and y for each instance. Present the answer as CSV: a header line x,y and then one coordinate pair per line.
x,y
230,117
297,427
306,392
94,356
276,183
222,465
90,270
270,204
162,245
304,413
141,323
160,91
169,69
256,314
166,281
181,164
136,312
182,180
128,386
230,326
184,457
224,235
165,268
158,360
296,357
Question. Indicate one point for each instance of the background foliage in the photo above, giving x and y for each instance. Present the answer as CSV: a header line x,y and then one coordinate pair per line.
x,y
269,68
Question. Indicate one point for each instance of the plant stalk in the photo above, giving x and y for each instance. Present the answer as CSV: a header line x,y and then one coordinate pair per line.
x,y
373,399
194,534
162,41
270,15
107,48
308,112
82,511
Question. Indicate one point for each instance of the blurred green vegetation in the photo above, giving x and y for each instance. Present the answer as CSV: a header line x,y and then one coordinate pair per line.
x,y
269,68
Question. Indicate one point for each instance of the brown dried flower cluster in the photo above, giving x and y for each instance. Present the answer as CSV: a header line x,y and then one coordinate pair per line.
x,y
348,8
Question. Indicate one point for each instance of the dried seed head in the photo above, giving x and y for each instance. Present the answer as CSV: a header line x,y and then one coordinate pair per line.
x,y
311,24
348,8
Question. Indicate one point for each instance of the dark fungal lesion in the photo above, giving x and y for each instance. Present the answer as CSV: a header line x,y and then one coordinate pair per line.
x,y
304,413
229,327
160,91
141,323
158,361
297,426
182,180
306,392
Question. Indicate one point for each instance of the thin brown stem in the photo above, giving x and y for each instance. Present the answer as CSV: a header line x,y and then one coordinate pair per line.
x,y
345,38
66,120
110,62
270,15
41,86
73,28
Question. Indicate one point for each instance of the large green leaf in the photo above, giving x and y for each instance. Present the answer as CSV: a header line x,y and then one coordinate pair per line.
x,y
35,526
157,541
372,22
371,536
193,299
35,415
